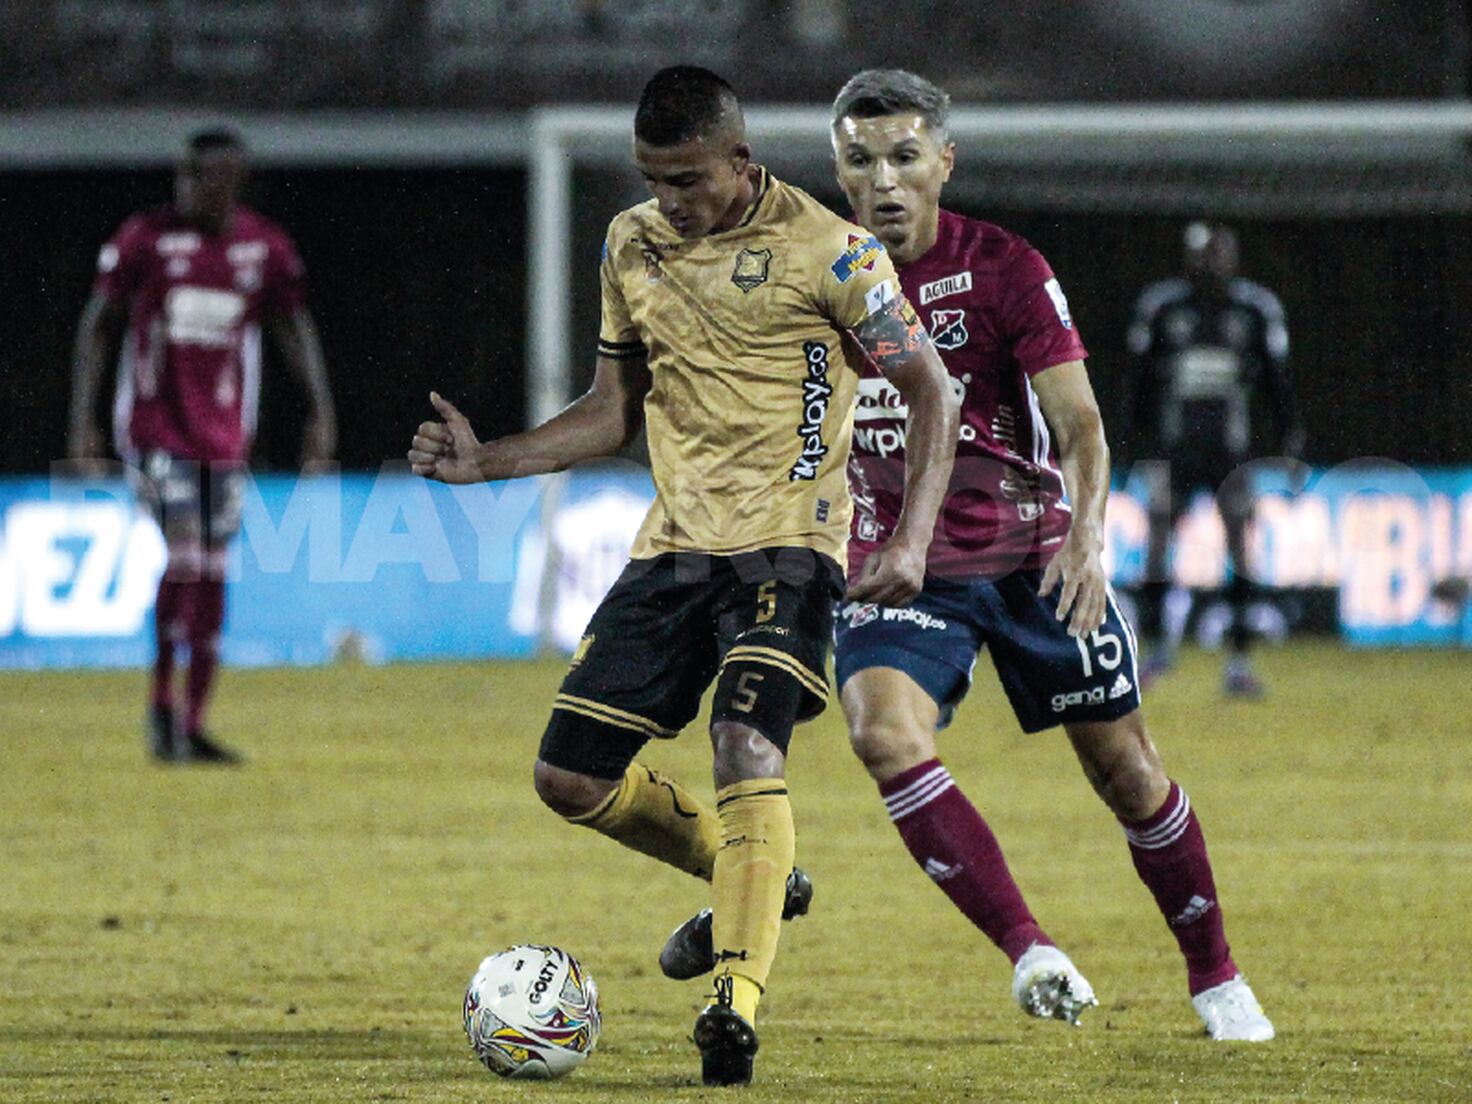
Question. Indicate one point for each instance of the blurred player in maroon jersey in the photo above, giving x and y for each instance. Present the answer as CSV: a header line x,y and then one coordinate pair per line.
x,y
1015,567
181,295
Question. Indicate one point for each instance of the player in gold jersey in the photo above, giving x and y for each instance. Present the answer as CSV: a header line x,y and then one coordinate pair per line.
x,y
735,311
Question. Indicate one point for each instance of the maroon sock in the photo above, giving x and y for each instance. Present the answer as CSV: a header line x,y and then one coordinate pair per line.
x,y
957,850
1170,856
204,615
166,632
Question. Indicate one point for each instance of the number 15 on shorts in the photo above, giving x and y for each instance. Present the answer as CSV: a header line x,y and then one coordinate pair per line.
x,y
1103,648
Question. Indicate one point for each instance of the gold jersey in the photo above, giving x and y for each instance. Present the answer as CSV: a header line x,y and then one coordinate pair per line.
x,y
751,411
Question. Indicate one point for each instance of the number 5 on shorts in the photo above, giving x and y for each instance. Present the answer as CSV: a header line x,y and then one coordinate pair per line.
x,y
766,601
1107,649
744,699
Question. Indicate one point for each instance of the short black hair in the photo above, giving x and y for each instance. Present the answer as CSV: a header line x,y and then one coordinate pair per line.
x,y
214,138
681,103
878,92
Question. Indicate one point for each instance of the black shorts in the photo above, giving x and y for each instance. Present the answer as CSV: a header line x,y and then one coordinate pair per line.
x,y
759,623
188,497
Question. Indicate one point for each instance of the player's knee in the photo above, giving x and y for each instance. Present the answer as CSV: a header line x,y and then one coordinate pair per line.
x,y
740,753
1134,793
1122,764
567,793
887,746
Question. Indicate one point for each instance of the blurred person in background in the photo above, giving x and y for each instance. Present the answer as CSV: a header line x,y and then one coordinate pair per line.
x,y
181,294
1208,388
1015,568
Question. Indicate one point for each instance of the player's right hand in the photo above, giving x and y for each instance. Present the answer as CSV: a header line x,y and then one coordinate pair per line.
x,y
892,576
446,450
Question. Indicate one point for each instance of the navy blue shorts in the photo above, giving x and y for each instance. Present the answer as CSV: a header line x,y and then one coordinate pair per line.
x,y
189,496
1050,677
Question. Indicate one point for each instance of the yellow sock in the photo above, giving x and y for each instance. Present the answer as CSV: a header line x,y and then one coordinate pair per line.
x,y
744,997
656,816
749,886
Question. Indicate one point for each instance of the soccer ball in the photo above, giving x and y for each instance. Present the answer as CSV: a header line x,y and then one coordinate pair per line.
x,y
532,1012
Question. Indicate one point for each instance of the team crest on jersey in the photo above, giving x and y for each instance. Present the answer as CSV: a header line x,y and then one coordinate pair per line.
x,y
248,278
1180,325
949,285
248,258
751,268
861,254
948,329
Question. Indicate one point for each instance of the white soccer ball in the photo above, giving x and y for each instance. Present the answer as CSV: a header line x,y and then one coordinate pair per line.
x,y
532,1012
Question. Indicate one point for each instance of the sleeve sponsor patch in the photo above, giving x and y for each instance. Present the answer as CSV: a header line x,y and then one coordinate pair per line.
x,y
877,296
861,254
1060,302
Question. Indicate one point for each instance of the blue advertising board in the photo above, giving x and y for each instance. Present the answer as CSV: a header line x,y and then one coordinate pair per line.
x,y
383,568
388,567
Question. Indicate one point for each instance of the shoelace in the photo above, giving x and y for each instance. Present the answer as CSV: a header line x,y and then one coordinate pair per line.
x,y
725,989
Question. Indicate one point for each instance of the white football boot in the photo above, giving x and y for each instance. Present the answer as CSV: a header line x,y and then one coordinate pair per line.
x,y
1046,984
1231,1013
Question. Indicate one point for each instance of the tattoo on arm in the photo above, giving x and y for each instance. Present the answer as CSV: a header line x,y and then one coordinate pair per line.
x,y
893,334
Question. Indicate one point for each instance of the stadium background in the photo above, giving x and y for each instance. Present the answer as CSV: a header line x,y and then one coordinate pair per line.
x,y
301,929
398,142
390,136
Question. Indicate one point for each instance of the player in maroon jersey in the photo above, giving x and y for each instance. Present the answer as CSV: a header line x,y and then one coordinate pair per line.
x,y
181,296
1015,567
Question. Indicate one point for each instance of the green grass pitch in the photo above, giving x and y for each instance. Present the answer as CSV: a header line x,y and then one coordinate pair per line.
x,y
301,929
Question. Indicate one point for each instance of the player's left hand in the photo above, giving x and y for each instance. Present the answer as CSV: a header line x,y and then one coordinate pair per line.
x,y
892,576
1079,566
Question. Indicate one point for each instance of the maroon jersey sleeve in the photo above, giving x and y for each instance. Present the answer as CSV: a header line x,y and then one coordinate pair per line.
x,y
121,263
1035,315
284,290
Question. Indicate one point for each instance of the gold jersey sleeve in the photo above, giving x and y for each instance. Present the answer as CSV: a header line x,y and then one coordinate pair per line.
x,y
754,374
617,336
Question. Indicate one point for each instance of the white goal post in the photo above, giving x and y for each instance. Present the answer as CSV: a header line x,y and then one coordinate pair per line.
x,y
1399,134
